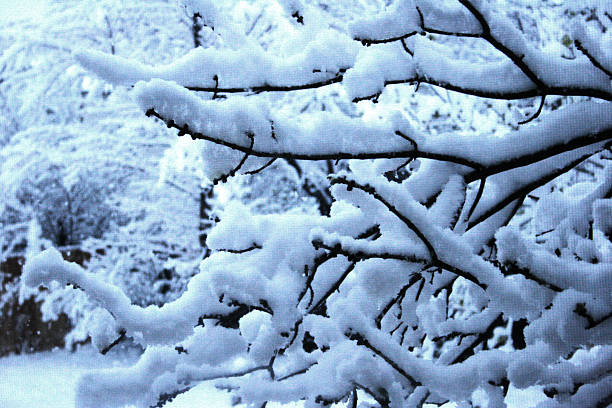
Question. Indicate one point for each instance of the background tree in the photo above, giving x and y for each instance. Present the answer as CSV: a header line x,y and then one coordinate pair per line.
x,y
58,169
127,190
400,293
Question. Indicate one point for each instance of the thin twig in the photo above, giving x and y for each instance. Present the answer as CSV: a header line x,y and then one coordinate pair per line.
x,y
114,343
536,114
481,187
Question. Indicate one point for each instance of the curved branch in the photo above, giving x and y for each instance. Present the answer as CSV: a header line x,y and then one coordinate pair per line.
x,y
536,114
262,168
223,178
481,187
405,47
524,190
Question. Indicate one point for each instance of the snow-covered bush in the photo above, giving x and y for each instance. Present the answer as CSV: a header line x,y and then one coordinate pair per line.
x,y
399,295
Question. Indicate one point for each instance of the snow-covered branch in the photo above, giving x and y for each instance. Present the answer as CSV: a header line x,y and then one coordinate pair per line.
x,y
411,283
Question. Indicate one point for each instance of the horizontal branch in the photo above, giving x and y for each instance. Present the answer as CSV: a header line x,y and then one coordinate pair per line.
x,y
391,154
362,255
421,79
370,41
510,94
269,88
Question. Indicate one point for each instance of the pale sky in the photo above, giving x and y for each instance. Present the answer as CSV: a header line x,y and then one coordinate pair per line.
x,y
14,9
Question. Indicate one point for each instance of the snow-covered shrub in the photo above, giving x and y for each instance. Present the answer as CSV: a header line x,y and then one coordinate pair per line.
x,y
67,214
400,295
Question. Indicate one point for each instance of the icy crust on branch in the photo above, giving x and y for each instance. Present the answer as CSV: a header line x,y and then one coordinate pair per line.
x,y
338,366
298,307
242,279
162,370
503,294
563,273
375,67
432,62
591,269
436,63
261,271
556,130
233,120
248,67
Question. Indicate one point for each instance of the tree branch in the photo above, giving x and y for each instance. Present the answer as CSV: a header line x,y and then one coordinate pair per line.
x,y
591,58
518,60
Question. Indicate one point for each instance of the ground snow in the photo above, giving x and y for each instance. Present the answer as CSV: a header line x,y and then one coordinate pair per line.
x,y
48,380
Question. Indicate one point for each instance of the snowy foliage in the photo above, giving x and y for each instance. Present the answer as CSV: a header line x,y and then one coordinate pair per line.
x,y
399,294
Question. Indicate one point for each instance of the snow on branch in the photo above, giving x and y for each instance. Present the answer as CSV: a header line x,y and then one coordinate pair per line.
x,y
326,59
326,136
419,285
151,325
407,18
245,69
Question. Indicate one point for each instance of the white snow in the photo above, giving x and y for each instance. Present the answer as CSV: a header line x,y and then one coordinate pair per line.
x,y
327,53
12,10
48,379
263,265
